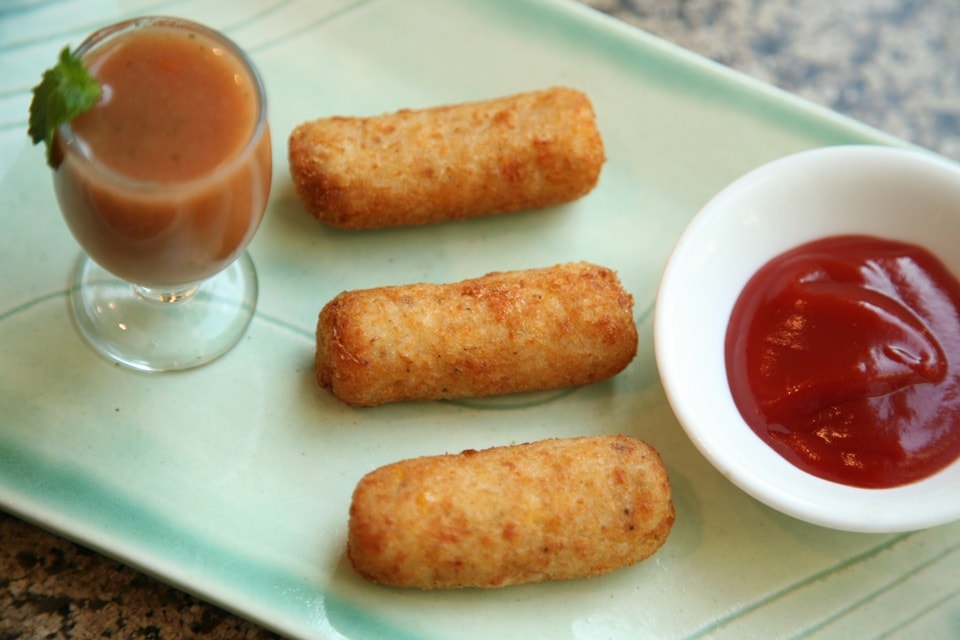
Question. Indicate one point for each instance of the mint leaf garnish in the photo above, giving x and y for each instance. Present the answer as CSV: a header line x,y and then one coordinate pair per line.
x,y
64,92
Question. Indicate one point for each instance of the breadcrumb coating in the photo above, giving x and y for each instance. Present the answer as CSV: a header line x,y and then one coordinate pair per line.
x,y
414,167
506,332
550,510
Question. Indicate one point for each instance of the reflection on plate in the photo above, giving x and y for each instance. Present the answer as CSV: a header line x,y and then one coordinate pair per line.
x,y
233,481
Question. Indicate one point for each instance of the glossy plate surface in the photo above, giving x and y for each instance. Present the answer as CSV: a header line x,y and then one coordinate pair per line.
x,y
233,481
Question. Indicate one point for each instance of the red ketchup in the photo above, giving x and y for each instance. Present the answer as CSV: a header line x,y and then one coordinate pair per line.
x,y
843,355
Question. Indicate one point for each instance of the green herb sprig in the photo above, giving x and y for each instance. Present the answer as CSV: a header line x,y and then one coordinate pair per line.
x,y
65,91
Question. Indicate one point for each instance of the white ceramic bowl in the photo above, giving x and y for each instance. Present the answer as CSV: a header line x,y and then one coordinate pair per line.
x,y
895,193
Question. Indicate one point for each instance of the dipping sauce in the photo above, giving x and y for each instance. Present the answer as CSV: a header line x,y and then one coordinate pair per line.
x,y
164,181
844,356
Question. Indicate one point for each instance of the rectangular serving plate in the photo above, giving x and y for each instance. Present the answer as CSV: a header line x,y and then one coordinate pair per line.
x,y
233,481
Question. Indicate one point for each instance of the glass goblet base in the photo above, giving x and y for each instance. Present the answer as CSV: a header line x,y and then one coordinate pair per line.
x,y
163,330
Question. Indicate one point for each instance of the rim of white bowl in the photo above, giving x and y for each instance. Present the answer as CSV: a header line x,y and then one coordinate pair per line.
x,y
845,508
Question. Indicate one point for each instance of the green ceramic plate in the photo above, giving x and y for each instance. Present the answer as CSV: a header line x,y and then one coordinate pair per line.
x,y
233,481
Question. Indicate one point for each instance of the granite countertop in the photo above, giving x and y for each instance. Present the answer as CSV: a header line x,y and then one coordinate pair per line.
x,y
892,64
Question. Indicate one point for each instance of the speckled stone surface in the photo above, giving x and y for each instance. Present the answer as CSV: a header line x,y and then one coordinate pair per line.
x,y
51,588
894,64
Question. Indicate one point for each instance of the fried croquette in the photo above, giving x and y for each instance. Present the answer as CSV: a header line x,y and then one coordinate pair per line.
x,y
415,167
528,330
549,510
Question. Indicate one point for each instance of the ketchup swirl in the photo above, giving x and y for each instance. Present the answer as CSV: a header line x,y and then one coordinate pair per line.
x,y
843,355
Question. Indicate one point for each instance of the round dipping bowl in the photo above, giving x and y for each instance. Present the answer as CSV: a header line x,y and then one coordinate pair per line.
x,y
887,192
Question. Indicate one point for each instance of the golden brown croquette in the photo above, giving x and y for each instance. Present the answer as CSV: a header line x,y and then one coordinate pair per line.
x,y
549,510
528,330
414,167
